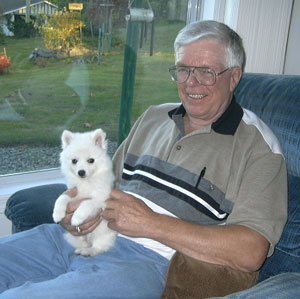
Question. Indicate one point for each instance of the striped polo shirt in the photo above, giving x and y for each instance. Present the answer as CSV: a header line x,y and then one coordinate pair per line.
x,y
232,172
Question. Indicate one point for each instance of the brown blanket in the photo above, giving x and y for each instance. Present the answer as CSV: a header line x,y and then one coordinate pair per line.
x,y
189,278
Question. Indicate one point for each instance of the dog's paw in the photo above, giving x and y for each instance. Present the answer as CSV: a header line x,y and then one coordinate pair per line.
x,y
87,251
81,251
58,215
79,217
76,221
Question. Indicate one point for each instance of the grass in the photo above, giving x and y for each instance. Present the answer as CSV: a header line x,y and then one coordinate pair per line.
x,y
38,101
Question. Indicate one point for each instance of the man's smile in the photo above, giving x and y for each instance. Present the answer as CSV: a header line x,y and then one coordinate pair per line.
x,y
197,96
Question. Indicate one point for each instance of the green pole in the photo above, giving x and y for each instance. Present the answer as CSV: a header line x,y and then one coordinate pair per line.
x,y
129,67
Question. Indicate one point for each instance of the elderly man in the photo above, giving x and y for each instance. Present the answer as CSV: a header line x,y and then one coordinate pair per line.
x,y
204,178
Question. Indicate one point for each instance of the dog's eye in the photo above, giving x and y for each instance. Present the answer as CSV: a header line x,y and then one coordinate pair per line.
x,y
91,161
74,161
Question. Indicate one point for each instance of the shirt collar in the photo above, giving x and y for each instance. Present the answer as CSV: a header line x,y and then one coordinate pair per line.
x,y
226,124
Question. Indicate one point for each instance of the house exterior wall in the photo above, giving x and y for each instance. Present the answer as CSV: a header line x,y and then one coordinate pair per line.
x,y
40,8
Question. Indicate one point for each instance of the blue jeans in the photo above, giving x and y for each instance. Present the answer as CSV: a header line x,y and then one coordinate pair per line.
x,y
281,286
33,206
39,263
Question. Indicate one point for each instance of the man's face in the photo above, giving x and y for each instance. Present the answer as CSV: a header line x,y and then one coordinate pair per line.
x,y
206,104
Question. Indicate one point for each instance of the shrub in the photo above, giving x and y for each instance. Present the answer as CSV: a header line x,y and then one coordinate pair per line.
x,y
22,29
62,31
4,63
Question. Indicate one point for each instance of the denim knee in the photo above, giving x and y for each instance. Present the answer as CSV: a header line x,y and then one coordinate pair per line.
x,y
281,286
33,206
280,262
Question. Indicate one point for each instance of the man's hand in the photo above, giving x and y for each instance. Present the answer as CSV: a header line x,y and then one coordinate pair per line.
x,y
235,246
127,214
86,227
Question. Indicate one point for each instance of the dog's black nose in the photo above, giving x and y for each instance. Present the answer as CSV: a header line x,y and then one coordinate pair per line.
x,y
81,173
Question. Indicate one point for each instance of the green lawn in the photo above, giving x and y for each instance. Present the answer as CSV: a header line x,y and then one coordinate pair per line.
x,y
38,102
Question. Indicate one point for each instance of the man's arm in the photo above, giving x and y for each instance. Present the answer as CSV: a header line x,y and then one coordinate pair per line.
x,y
235,246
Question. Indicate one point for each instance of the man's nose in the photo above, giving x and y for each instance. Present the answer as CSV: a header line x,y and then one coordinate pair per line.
x,y
192,80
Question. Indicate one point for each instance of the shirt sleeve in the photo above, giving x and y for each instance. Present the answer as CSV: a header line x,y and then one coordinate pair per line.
x,y
261,202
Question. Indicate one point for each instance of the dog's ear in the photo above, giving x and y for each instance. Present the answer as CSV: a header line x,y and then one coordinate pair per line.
x,y
66,138
99,137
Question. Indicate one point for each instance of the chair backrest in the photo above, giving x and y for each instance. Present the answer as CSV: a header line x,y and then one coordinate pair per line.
x,y
276,100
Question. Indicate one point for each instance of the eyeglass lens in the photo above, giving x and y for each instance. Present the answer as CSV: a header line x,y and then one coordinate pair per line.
x,y
203,75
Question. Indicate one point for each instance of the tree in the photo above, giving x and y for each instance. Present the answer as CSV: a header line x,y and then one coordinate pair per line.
x,y
62,31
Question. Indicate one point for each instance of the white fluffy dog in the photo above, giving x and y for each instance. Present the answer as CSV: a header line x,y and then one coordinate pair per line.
x,y
86,166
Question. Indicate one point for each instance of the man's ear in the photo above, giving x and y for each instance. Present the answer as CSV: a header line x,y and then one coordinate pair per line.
x,y
236,75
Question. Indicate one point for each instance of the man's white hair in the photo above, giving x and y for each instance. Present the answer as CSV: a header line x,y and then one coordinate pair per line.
x,y
201,30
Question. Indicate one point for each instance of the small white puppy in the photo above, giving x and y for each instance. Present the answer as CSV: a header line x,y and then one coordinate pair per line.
x,y
86,166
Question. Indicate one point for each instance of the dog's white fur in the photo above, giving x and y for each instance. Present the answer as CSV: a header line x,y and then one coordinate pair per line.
x,y
86,166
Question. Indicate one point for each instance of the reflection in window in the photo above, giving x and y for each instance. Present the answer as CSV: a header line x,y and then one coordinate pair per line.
x,y
51,86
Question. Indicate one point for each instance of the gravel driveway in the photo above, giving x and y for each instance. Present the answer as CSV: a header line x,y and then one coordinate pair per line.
x,y
24,158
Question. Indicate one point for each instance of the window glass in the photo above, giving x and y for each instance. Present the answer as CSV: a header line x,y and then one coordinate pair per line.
x,y
49,83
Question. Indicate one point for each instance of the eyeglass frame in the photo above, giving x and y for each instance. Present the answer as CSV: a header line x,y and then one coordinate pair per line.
x,y
192,69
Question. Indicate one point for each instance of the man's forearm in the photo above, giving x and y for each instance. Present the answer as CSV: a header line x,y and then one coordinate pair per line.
x,y
235,246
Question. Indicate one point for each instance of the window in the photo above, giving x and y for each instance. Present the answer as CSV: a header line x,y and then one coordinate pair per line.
x,y
75,83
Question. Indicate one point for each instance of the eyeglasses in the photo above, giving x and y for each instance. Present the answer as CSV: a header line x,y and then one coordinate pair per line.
x,y
204,75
